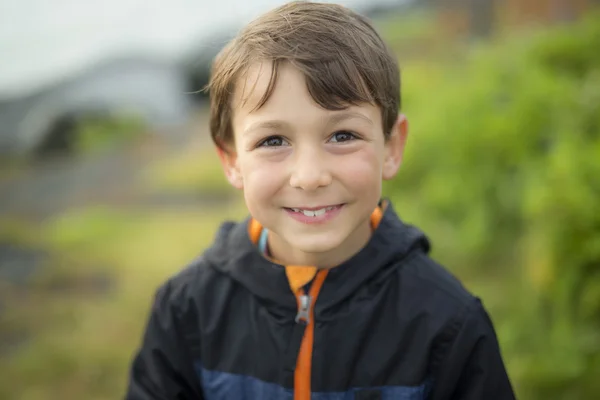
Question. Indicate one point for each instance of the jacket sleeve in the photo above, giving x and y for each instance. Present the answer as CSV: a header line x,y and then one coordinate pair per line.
x,y
162,367
472,366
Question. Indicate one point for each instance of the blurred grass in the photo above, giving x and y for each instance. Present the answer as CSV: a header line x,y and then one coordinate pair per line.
x,y
82,315
190,171
72,329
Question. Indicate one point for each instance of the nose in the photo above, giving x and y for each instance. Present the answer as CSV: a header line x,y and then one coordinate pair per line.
x,y
309,171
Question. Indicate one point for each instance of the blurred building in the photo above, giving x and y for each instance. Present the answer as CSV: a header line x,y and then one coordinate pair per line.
x,y
148,89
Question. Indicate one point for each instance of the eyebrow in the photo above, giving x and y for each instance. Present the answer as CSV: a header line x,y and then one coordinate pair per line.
x,y
340,117
332,120
275,124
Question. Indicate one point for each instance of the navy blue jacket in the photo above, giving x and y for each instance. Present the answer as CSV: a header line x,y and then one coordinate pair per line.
x,y
390,323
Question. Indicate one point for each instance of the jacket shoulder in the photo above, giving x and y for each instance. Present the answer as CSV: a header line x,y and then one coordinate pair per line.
x,y
436,283
180,292
194,278
453,312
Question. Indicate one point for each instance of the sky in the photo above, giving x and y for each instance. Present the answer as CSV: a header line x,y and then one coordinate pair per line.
x,y
42,41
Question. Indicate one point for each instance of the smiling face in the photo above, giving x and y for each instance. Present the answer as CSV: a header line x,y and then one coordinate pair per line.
x,y
312,176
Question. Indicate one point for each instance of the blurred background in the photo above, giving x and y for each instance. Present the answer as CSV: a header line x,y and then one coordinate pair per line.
x,y
109,181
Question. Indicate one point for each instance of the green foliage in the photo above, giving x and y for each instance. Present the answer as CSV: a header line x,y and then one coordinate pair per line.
x,y
194,170
503,171
78,324
94,133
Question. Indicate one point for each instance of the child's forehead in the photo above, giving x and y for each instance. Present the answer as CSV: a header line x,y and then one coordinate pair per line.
x,y
291,106
253,84
265,82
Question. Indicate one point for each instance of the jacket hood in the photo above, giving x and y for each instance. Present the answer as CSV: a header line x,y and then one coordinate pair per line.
x,y
233,253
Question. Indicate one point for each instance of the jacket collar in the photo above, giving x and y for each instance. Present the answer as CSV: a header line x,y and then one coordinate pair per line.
x,y
235,254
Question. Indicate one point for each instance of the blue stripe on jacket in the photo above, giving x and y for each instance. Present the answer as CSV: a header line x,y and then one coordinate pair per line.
x,y
226,386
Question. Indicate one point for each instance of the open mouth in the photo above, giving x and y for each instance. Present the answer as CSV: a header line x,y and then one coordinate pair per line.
x,y
314,212
314,215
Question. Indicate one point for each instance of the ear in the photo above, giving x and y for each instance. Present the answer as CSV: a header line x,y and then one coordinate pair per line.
x,y
229,161
394,148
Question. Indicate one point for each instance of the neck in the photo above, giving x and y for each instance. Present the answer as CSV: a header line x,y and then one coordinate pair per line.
x,y
286,254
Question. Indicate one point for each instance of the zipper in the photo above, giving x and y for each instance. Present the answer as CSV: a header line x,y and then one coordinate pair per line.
x,y
305,316
297,365
304,308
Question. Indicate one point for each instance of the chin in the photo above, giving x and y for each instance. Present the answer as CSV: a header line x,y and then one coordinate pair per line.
x,y
315,245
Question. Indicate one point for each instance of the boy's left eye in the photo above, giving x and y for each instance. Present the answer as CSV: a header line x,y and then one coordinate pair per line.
x,y
342,136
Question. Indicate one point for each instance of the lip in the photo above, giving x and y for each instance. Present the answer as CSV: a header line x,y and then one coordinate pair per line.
x,y
315,208
329,215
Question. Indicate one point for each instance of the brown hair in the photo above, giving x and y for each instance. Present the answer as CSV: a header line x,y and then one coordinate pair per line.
x,y
344,60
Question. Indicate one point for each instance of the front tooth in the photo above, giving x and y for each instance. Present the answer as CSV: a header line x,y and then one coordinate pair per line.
x,y
308,213
320,212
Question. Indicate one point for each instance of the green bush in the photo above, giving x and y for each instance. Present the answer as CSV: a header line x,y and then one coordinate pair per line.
x,y
503,171
95,133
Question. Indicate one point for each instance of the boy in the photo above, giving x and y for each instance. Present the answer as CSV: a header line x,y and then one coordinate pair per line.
x,y
323,293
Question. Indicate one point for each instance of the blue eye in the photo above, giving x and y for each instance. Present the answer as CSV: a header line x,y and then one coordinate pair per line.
x,y
342,136
272,141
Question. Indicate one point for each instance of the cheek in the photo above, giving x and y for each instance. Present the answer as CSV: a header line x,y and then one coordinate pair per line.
x,y
261,179
360,170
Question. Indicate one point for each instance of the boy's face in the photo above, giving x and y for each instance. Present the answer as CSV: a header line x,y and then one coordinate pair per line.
x,y
311,176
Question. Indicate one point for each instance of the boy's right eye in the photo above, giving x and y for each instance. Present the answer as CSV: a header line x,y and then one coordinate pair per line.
x,y
273,141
